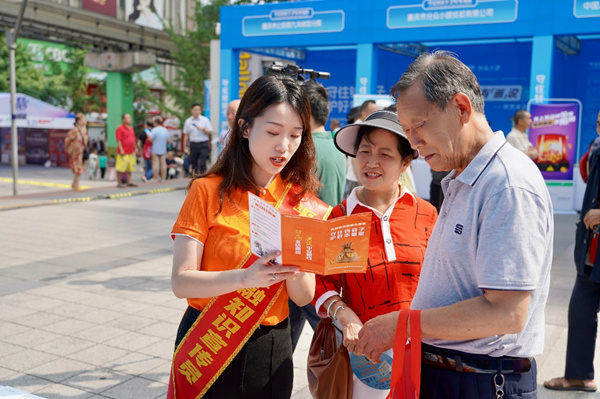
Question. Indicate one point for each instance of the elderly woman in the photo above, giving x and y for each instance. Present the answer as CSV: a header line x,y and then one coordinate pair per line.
x,y
75,144
401,224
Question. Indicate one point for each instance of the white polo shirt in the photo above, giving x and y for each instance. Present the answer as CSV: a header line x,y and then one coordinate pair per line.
x,y
495,232
193,126
519,140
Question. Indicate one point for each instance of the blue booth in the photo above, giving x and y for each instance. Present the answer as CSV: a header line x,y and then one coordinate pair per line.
x,y
522,52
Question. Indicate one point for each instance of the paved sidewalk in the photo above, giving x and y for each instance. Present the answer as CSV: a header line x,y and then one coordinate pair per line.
x,y
38,185
86,309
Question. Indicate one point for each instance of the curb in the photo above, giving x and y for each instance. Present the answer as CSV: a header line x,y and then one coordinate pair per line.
x,y
90,198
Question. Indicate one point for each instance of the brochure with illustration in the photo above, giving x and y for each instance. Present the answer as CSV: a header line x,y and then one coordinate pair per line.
x,y
339,245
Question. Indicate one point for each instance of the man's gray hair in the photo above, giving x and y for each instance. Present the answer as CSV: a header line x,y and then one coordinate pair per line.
x,y
442,76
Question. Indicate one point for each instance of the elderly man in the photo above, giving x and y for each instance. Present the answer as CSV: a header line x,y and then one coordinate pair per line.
x,y
232,108
486,272
517,137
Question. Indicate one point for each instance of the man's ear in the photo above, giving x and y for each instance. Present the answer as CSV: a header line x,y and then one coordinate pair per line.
x,y
464,106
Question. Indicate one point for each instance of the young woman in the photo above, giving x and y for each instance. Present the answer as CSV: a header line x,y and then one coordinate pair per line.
x,y
75,143
270,153
401,224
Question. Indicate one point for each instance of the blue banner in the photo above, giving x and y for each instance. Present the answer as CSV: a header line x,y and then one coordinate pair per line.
x,y
586,8
451,12
293,21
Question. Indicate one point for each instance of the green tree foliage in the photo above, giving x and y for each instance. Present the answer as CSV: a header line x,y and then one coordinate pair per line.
x,y
191,53
65,87
142,101
30,78
77,79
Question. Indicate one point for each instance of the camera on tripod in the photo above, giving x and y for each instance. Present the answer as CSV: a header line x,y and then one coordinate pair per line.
x,y
295,72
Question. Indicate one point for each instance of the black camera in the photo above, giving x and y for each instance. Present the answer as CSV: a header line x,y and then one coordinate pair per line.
x,y
295,72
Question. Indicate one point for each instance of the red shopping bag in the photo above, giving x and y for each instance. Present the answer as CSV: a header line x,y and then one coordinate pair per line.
x,y
406,370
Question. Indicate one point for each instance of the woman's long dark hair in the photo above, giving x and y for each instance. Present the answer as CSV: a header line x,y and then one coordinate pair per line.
x,y
136,13
235,162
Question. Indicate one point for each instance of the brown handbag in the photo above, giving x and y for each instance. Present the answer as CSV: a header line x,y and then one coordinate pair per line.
x,y
328,366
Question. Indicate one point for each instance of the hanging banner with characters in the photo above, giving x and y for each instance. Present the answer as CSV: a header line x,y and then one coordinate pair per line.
x,y
553,133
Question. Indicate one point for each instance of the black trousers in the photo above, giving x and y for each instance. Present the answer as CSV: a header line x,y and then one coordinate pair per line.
x,y
439,383
262,369
583,327
199,156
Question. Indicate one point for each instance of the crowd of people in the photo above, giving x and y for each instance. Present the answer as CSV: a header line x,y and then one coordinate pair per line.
x,y
481,315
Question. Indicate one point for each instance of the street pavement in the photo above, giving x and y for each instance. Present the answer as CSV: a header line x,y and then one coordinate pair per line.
x,y
86,308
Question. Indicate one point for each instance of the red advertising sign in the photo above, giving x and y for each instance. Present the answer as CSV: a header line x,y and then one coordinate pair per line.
x,y
106,7
56,147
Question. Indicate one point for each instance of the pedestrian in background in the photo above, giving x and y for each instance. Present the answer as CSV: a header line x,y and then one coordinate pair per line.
x,y
93,164
75,145
197,134
517,137
173,167
159,137
111,166
102,159
585,298
224,134
126,160
145,149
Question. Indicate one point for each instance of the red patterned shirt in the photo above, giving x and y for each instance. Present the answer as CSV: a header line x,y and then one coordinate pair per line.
x,y
397,247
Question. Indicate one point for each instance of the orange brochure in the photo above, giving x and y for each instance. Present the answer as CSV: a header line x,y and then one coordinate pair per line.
x,y
339,245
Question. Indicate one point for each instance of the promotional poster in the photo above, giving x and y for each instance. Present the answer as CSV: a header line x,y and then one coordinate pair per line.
x,y
553,133
147,13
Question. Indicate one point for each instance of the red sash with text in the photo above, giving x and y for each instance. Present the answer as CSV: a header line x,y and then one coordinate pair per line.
x,y
228,321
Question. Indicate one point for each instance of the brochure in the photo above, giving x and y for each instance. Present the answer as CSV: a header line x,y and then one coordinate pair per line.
x,y
378,376
339,245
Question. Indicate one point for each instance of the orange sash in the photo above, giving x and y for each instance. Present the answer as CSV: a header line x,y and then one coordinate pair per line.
x,y
228,321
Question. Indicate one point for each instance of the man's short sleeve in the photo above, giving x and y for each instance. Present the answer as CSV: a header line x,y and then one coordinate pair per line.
x,y
187,126
192,220
513,240
119,134
206,124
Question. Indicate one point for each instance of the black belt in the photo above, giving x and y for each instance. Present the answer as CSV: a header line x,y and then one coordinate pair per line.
x,y
468,363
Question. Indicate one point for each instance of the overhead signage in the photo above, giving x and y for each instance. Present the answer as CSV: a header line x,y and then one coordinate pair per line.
x,y
586,8
294,21
430,13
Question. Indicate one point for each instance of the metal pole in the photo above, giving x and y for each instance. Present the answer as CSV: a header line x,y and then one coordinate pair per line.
x,y
13,112
11,43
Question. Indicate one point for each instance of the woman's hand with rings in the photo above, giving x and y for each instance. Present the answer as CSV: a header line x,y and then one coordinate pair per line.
x,y
351,325
263,273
